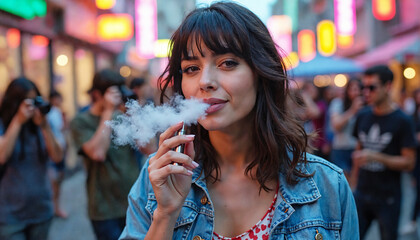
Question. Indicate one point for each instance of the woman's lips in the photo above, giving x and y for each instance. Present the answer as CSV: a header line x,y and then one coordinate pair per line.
x,y
215,107
215,104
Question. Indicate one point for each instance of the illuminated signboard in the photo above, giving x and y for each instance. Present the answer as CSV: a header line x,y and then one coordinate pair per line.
x,y
146,27
27,9
326,39
115,27
383,9
345,17
306,45
280,27
105,4
13,37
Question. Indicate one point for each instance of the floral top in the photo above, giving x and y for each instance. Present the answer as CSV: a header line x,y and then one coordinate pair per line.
x,y
258,231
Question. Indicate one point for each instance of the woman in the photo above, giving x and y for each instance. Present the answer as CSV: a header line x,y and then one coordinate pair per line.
x,y
244,174
26,144
343,117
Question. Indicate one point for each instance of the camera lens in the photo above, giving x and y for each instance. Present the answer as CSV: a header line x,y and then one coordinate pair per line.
x,y
43,106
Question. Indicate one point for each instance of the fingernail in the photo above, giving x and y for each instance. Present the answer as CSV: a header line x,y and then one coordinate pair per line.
x,y
195,164
190,136
189,172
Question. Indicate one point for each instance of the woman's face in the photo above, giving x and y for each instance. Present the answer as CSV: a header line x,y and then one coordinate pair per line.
x,y
226,82
354,90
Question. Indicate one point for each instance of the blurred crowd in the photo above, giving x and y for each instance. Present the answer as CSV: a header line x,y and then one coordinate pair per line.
x,y
35,135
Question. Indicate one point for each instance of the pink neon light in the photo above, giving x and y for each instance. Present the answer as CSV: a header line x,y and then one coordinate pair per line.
x,y
146,27
280,27
345,17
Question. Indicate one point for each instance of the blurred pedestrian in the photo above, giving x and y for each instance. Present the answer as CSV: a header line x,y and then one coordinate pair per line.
x,y
58,125
244,173
144,96
411,226
142,90
26,144
386,147
315,111
343,117
111,170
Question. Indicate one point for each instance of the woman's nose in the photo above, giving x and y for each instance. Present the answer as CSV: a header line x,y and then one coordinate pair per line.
x,y
208,80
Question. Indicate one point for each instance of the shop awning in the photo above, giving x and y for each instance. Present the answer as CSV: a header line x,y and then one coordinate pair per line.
x,y
395,48
321,65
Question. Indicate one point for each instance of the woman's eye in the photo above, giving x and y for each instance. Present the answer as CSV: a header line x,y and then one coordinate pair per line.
x,y
191,69
229,64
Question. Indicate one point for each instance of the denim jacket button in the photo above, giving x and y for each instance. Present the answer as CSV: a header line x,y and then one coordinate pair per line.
x,y
197,238
318,236
204,202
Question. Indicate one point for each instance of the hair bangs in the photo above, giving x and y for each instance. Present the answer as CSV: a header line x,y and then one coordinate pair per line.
x,y
213,30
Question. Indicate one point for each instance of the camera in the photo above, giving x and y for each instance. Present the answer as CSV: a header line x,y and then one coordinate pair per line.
x,y
43,106
126,93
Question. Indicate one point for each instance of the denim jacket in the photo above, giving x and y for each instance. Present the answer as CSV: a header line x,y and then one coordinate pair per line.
x,y
317,207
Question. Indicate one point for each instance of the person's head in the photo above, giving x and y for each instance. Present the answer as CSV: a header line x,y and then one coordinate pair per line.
x,y
353,90
140,87
225,55
18,90
377,82
102,80
55,98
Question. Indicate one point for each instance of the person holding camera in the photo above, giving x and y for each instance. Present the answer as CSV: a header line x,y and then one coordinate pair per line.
x,y
26,145
111,170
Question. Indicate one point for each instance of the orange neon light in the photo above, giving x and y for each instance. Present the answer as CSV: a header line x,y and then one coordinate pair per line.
x,y
105,4
115,27
40,41
326,40
383,10
13,37
345,41
306,45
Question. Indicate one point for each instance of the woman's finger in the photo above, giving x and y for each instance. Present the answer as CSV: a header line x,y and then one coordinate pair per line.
x,y
171,157
170,132
159,176
172,142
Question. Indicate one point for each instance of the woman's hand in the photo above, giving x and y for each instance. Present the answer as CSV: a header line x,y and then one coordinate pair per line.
x,y
170,172
26,111
357,104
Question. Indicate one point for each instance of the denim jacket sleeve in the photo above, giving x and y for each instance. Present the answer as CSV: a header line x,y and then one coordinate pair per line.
x,y
138,219
348,211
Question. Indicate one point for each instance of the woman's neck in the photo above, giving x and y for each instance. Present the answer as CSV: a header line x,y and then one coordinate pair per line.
x,y
232,148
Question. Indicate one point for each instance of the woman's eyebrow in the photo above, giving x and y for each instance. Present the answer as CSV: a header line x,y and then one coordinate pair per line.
x,y
189,58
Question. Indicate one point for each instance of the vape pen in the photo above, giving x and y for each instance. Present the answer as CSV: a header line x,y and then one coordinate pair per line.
x,y
181,147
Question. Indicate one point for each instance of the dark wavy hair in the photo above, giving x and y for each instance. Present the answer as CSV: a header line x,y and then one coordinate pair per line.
x,y
16,92
227,27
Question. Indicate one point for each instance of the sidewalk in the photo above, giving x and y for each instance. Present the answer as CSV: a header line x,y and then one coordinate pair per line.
x,y
74,202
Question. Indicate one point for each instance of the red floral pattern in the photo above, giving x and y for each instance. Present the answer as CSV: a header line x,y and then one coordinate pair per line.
x,y
257,232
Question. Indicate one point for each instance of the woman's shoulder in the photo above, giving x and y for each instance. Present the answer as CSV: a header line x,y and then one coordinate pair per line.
x,y
316,163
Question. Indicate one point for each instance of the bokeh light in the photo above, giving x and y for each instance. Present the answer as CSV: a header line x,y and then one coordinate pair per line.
x,y
409,73
340,80
62,60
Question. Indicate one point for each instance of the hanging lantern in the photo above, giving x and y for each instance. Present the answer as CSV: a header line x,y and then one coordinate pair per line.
x,y
383,10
